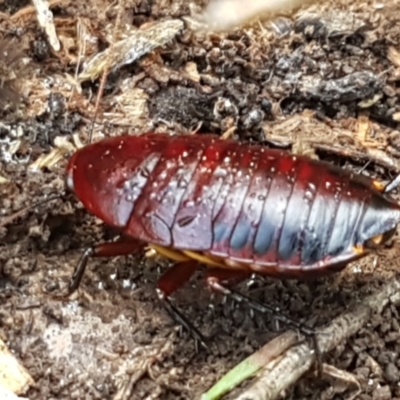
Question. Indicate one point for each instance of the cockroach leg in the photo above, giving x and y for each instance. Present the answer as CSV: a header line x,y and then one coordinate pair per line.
x,y
176,276
392,185
172,280
227,277
79,271
124,246
177,316
217,280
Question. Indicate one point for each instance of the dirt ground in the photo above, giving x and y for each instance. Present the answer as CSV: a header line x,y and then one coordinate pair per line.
x,y
324,82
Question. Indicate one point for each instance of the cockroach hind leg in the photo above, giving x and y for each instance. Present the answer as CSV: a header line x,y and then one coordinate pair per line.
x,y
216,284
169,282
264,308
180,319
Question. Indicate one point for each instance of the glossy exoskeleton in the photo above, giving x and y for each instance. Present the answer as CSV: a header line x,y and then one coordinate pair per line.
x,y
238,208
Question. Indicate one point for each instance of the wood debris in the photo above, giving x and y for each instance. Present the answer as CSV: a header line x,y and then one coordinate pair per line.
x,y
56,155
13,376
13,68
394,56
138,43
6,394
45,18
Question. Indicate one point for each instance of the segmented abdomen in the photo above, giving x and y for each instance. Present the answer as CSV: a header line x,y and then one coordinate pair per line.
x,y
236,201
246,203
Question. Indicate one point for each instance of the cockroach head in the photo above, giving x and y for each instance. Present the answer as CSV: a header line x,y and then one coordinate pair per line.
x,y
97,174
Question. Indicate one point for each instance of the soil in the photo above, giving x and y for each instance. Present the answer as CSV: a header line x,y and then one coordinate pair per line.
x,y
324,82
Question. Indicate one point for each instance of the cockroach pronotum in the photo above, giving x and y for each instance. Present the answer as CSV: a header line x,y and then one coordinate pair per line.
x,y
237,208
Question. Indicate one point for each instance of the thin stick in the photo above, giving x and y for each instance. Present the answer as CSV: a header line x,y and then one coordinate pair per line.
x,y
106,70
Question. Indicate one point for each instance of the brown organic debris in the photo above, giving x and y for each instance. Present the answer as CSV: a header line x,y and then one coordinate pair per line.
x,y
13,68
30,10
394,56
340,381
346,138
137,43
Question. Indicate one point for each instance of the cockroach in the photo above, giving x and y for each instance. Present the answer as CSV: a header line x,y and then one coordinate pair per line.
x,y
237,208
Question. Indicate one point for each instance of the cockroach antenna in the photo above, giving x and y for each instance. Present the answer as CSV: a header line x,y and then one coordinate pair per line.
x,y
105,72
6,220
13,67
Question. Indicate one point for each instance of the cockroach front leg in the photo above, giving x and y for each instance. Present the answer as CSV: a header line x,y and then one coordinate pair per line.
x,y
169,282
124,246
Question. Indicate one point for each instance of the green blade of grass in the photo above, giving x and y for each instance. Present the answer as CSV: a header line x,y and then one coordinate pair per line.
x,y
251,365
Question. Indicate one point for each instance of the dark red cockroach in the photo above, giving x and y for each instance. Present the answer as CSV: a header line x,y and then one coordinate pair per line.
x,y
238,208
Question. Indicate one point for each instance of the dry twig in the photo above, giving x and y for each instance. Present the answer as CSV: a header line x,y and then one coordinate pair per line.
x,y
13,376
283,372
45,18
138,43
